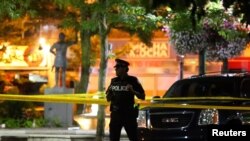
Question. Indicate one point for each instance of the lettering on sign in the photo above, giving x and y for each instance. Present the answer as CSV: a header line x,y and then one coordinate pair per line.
x,y
140,50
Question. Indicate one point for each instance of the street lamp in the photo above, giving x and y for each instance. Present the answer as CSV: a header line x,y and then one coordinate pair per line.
x,y
44,47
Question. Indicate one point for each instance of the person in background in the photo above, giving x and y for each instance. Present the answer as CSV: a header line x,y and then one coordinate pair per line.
x,y
121,93
59,49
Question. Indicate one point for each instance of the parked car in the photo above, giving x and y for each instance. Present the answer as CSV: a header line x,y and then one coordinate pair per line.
x,y
192,105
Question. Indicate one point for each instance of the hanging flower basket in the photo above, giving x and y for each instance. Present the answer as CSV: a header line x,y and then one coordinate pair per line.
x,y
218,33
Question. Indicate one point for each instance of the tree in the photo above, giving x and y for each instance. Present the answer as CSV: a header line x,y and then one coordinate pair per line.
x,y
21,20
126,16
100,17
211,32
197,9
64,14
13,9
218,36
83,16
80,17
240,8
12,13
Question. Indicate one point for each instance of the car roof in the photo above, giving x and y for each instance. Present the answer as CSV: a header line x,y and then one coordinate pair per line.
x,y
230,82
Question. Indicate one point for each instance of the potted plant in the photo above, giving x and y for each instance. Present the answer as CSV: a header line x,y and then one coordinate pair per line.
x,y
217,35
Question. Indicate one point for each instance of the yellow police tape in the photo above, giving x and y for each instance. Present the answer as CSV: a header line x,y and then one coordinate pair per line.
x,y
99,98
58,98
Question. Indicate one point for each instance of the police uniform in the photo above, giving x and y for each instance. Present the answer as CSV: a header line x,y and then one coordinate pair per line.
x,y
123,112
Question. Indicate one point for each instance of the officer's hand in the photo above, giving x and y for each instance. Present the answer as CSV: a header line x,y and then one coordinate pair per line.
x,y
130,87
109,96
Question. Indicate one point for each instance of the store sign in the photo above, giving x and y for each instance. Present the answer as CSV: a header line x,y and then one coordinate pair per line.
x,y
158,50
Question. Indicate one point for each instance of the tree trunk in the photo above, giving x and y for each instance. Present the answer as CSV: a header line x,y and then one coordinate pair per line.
x,y
82,86
102,79
224,68
202,62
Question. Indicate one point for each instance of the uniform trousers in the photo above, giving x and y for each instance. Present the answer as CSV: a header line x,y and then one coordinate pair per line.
x,y
123,119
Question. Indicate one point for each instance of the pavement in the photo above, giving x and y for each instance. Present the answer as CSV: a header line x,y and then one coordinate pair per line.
x,y
52,134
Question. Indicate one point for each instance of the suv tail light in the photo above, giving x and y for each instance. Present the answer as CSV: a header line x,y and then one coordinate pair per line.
x,y
208,116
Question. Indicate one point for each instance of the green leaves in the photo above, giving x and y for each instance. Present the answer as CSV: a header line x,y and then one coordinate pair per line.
x,y
89,25
230,35
13,8
218,32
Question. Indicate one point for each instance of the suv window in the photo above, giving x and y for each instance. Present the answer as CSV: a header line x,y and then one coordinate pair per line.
x,y
245,88
221,86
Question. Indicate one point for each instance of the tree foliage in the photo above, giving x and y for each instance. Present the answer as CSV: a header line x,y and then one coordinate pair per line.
x,y
21,19
135,20
217,32
14,9
240,8
197,8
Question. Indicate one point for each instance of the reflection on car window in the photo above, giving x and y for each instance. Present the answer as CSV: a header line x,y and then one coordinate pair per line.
x,y
245,88
202,87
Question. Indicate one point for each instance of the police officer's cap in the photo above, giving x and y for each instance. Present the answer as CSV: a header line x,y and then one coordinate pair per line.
x,y
121,63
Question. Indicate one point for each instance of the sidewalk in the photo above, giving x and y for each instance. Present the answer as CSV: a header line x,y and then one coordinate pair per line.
x,y
52,134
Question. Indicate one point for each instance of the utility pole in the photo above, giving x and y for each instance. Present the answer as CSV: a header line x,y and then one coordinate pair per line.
x,y
180,59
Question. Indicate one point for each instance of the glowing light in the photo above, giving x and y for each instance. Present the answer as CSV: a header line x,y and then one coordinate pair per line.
x,y
182,56
45,49
89,122
90,1
42,41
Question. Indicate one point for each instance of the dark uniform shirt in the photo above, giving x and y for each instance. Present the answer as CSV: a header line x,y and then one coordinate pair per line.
x,y
122,100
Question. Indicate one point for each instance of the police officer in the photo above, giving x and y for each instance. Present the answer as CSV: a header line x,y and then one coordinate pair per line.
x,y
121,93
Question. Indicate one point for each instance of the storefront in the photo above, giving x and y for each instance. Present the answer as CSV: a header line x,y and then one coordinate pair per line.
x,y
157,67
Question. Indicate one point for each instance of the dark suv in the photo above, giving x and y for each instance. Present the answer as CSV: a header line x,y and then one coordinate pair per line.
x,y
192,105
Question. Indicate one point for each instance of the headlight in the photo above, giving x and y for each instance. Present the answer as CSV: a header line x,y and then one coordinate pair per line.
x,y
246,118
209,116
142,119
